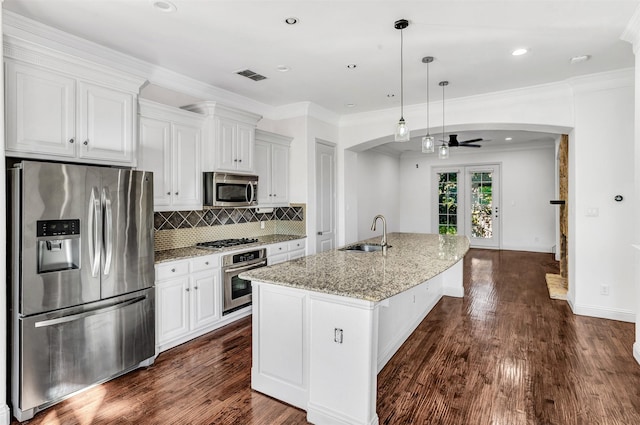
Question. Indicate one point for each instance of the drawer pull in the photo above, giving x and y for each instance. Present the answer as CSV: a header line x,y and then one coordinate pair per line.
x,y
187,289
173,270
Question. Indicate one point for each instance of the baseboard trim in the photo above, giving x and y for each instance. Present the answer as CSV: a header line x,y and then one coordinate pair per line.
x,y
5,415
636,351
603,313
317,414
543,249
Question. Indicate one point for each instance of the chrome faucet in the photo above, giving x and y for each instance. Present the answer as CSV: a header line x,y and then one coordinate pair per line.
x,y
383,242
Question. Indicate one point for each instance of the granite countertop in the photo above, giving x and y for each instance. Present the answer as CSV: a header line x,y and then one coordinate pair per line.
x,y
192,251
412,259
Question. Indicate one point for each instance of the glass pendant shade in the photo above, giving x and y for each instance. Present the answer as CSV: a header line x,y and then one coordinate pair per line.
x,y
428,144
443,151
402,131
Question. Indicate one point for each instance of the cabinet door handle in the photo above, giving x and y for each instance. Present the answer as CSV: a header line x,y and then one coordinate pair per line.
x,y
240,160
187,289
71,140
168,193
235,160
195,287
173,270
176,193
206,263
86,142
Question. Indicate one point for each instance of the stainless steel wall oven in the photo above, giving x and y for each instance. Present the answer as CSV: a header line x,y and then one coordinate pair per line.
x,y
236,291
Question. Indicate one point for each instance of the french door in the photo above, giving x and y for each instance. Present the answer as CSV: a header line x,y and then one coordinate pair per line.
x,y
467,202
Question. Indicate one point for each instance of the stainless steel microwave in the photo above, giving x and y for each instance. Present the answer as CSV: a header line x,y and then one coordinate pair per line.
x,y
230,190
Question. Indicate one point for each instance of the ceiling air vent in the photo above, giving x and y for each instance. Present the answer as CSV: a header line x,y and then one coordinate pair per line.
x,y
252,75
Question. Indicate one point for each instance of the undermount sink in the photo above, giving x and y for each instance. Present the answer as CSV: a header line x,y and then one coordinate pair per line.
x,y
364,247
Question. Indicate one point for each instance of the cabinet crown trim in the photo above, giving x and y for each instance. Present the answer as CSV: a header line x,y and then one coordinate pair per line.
x,y
150,109
269,137
217,109
56,61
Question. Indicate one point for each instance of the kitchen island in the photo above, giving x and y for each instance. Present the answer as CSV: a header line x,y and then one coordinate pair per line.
x,y
326,324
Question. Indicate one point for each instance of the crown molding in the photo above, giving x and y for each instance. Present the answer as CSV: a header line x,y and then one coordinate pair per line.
x,y
308,109
17,27
603,81
631,32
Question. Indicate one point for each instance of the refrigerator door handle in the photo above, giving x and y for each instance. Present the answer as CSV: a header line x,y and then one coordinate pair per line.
x,y
108,231
93,231
83,315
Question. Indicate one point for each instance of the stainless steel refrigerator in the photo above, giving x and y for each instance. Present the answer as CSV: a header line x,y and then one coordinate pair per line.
x,y
82,276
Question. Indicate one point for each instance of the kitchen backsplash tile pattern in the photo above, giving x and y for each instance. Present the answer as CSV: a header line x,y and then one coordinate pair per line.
x,y
212,217
186,229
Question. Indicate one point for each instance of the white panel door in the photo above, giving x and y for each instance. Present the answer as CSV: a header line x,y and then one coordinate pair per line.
x,y
226,158
204,301
105,124
263,170
280,174
187,171
325,197
172,309
245,140
41,110
155,156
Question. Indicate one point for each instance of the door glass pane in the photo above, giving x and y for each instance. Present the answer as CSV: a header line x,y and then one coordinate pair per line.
x,y
481,205
448,203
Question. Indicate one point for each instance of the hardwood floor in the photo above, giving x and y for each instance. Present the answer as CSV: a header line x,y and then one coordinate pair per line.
x,y
504,354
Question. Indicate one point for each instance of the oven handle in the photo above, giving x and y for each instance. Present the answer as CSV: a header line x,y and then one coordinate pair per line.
x,y
247,267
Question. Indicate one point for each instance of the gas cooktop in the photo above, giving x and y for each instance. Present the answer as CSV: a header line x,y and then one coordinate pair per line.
x,y
224,243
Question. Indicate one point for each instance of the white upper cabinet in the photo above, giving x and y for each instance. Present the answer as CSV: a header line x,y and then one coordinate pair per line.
x,y
105,124
229,138
272,168
170,147
64,108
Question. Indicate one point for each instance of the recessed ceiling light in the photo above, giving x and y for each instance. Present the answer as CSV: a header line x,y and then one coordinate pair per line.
x,y
391,95
581,58
508,139
164,6
520,52
350,105
291,20
283,68
352,66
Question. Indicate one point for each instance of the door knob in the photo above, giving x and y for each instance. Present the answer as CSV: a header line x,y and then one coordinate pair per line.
x,y
319,233
86,142
71,140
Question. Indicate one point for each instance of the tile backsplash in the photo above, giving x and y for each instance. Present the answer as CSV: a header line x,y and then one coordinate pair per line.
x,y
178,229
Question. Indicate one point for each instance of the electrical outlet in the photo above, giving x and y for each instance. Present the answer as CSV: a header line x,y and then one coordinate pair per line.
x,y
262,224
604,289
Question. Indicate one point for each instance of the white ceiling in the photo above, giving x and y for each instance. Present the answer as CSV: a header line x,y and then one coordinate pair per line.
x,y
470,40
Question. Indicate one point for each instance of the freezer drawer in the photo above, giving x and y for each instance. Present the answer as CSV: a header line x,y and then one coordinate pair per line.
x,y
69,350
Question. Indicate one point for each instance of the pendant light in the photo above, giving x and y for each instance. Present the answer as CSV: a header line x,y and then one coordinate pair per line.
x,y
443,150
402,131
428,141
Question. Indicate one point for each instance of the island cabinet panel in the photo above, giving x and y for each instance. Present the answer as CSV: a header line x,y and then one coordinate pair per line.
x,y
342,367
280,364
401,314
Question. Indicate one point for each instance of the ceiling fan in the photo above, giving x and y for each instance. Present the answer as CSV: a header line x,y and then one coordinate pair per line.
x,y
455,143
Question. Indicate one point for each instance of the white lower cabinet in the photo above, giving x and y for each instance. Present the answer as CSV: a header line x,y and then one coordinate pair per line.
x,y
188,299
285,251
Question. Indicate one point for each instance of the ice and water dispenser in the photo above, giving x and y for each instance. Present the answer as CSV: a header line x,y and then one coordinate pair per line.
x,y
58,245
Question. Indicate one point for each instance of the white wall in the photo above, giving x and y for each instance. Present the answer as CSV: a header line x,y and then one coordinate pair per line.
x,y
378,193
527,184
602,166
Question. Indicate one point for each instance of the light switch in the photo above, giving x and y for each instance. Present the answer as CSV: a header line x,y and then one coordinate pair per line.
x,y
337,335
